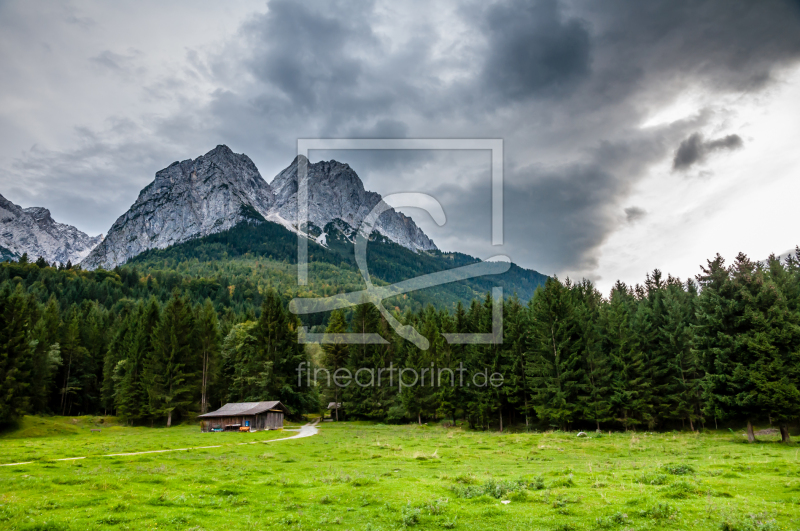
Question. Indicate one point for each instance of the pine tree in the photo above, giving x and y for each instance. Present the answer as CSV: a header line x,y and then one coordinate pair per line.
x,y
596,399
628,384
46,355
555,371
169,380
74,356
360,395
647,323
15,352
748,338
132,399
685,390
335,355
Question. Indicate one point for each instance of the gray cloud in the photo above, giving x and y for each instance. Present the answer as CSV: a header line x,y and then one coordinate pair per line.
x,y
534,50
694,149
634,214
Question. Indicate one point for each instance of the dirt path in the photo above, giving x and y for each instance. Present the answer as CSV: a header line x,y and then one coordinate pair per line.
x,y
305,431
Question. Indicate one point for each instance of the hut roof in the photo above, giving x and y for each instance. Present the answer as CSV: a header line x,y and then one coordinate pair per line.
x,y
237,409
334,405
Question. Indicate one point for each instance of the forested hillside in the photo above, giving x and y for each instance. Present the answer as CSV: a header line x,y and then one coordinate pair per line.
x,y
261,252
154,344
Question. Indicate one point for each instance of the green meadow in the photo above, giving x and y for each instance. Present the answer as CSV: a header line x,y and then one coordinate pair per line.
x,y
360,476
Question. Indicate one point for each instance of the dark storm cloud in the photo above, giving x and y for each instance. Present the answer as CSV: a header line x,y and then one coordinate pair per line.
x,y
694,149
307,54
730,45
534,50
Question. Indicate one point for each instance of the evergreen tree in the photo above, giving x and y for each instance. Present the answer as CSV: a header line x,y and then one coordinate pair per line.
x,y
335,355
748,338
74,377
15,352
132,398
361,396
596,398
629,387
46,355
685,391
555,371
168,370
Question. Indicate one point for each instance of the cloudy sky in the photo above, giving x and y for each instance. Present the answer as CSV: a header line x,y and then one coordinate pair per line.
x,y
637,134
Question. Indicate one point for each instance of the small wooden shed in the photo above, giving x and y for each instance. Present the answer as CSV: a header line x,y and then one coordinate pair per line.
x,y
237,416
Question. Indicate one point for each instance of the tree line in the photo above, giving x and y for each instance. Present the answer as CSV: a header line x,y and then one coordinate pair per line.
x,y
722,348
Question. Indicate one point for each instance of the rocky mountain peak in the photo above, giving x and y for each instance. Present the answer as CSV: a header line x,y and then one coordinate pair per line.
x,y
186,200
32,230
337,192
40,214
218,190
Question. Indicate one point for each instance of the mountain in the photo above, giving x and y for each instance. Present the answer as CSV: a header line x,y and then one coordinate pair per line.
x,y
222,189
186,200
336,192
33,231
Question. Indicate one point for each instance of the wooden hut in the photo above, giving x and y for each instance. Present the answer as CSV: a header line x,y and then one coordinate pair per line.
x,y
245,416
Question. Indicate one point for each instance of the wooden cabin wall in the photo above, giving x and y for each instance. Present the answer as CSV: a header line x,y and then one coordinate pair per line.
x,y
270,420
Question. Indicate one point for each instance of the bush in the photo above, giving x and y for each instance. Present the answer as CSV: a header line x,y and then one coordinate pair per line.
x,y
409,515
495,489
681,490
652,479
751,522
678,470
660,511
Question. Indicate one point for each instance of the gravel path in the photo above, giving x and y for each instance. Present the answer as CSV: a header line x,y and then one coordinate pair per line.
x,y
305,431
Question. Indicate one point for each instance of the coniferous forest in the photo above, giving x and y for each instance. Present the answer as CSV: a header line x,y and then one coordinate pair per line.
x,y
722,349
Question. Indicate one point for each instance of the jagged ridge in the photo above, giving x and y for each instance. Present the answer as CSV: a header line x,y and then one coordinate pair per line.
x,y
32,230
221,189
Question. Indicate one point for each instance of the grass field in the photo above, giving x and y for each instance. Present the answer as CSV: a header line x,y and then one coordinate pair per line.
x,y
360,476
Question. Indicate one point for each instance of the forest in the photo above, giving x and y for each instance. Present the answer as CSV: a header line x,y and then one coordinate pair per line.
x,y
722,349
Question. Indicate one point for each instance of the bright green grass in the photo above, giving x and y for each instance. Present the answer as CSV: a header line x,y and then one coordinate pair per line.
x,y
355,476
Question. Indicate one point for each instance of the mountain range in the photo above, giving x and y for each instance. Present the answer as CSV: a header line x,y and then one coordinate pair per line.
x,y
221,189
205,203
33,231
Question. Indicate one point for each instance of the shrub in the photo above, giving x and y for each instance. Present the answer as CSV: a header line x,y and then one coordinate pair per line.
x,y
660,511
750,522
495,489
681,490
678,470
652,479
409,515
566,481
436,507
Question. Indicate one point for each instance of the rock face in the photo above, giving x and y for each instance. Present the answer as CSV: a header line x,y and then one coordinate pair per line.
x,y
221,189
336,192
186,200
33,231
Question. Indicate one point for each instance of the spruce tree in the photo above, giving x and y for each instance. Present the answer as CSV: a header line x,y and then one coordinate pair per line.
x,y
555,370
132,398
596,398
629,387
685,391
15,354
168,377
335,355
